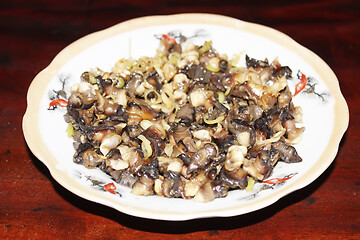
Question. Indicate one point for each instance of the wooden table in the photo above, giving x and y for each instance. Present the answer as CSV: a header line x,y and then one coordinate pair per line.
x,y
34,206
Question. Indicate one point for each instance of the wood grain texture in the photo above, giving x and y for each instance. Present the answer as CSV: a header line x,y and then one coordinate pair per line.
x,y
34,206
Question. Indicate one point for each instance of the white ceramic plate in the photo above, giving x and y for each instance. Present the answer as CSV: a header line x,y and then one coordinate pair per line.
x,y
325,110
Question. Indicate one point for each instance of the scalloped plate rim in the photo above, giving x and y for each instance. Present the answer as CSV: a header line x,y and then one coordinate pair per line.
x,y
341,120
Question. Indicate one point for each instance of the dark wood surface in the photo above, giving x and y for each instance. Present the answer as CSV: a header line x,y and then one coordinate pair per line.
x,y
34,206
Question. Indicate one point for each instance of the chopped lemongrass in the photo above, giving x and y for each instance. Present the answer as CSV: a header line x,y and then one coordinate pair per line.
x,y
145,146
213,64
227,91
92,79
120,83
206,47
70,130
235,60
221,97
250,185
174,58
216,120
157,62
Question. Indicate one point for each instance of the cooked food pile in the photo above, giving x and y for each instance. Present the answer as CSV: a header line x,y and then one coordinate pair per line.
x,y
185,123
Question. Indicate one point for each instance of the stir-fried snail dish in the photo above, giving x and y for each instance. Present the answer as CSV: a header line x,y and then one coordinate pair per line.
x,y
188,122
